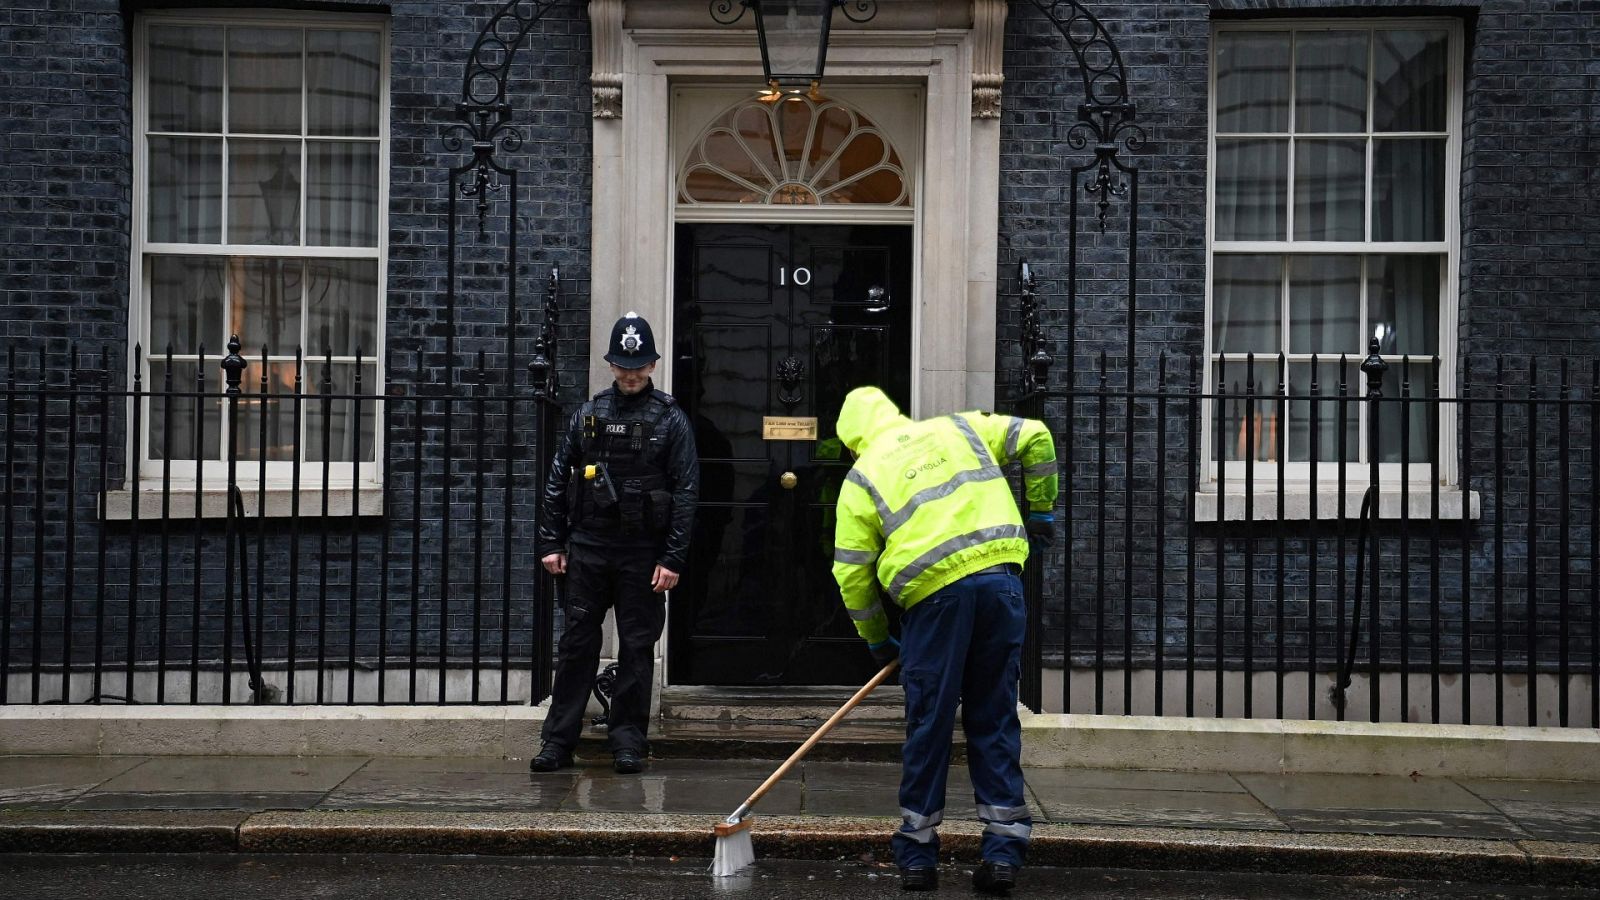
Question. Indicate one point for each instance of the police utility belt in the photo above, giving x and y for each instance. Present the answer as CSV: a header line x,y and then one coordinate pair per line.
x,y
617,484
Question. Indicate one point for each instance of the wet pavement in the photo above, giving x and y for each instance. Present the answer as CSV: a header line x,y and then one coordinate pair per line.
x,y
1307,804
1513,831
249,877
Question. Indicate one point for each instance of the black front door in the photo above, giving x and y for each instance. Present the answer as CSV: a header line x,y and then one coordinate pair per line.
x,y
773,323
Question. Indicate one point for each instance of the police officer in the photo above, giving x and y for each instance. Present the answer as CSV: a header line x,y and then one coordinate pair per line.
x,y
927,513
618,509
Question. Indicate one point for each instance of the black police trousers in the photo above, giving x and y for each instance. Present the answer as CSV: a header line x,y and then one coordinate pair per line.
x,y
598,580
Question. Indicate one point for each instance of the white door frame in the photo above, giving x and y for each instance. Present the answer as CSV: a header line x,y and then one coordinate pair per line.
x,y
643,50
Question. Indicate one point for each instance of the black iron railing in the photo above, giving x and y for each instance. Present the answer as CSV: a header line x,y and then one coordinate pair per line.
x,y
345,541
1353,538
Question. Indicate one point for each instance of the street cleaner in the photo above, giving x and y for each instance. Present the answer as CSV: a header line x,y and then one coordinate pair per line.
x,y
619,507
928,514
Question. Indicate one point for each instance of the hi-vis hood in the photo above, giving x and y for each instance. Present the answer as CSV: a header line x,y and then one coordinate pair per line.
x,y
867,413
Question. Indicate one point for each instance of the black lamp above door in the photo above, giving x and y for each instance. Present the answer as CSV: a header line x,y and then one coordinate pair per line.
x,y
793,33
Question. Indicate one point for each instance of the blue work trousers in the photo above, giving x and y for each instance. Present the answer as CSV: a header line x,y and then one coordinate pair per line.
x,y
963,646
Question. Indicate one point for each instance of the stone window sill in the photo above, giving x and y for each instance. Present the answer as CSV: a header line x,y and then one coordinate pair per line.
x,y
342,500
1453,504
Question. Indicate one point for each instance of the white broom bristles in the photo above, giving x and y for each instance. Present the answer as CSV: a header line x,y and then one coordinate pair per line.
x,y
734,851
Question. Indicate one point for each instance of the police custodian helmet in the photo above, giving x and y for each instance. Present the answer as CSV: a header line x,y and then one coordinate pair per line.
x,y
633,345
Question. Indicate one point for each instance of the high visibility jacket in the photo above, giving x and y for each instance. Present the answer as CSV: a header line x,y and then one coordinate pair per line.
x,y
927,503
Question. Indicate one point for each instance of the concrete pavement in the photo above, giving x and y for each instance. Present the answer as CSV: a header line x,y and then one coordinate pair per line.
x,y
1450,828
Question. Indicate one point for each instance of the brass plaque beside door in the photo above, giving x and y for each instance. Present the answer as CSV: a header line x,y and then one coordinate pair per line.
x,y
789,428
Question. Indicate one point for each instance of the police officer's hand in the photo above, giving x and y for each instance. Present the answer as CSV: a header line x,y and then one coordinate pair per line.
x,y
885,652
1041,528
555,563
663,580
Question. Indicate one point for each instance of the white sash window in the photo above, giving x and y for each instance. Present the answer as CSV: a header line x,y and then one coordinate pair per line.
x,y
260,210
1334,190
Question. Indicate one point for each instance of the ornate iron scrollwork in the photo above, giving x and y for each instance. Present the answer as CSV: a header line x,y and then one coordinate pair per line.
x,y
1106,116
605,687
1036,362
790,371
727,12
542,368
484,112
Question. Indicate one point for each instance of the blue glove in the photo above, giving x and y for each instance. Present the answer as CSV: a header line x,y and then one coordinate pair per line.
x,y
885,652
1041,528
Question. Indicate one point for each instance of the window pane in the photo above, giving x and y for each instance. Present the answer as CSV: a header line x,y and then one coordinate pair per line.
x,y
1410,85
333,426
1247,305
342,194
342,306
732,153
185,305
1408,190
1325,304
882,186
1330,81
1250,422
186,190
1329,190
753,122
269,415
705,186
266,296
264,192
176,421
1403,303
1253,81
1397,415
343,70
264,69
185,79
1321,416
1252,177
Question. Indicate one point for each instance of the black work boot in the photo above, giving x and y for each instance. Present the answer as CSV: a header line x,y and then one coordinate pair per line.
x,y
551,757
919,878
627,762
996,878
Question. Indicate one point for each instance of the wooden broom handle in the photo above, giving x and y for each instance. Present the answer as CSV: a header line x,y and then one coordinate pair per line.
x,y
817,735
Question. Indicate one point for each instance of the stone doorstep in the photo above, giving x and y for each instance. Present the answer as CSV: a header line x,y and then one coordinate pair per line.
x,y
791,837
779,705
870,741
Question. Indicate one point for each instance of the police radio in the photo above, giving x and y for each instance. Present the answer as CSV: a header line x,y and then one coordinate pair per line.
x,y
597,473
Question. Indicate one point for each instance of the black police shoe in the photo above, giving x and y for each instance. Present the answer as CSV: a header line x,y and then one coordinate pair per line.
x,y
550,758
996,878
919,878
627,762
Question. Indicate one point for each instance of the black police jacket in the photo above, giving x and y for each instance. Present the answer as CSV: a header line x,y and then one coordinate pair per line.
x,y
669,449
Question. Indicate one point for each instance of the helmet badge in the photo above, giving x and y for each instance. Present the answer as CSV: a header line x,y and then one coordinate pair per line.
x,y
631,342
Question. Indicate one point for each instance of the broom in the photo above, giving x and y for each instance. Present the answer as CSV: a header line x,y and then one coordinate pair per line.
x,y
734,849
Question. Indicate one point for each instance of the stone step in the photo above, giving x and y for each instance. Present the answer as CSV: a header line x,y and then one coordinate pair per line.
x,y
847,742
778,706
770,723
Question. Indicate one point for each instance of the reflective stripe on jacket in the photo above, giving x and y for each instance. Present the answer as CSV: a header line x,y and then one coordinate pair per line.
x,y
927,503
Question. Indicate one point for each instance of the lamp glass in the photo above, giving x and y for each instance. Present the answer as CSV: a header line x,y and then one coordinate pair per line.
x,y
794,38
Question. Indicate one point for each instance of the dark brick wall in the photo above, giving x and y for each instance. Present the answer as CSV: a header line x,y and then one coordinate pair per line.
x,y
65,173
66,168
1530,285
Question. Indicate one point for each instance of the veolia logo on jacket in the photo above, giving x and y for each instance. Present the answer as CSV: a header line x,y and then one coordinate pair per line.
x,y
926,467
